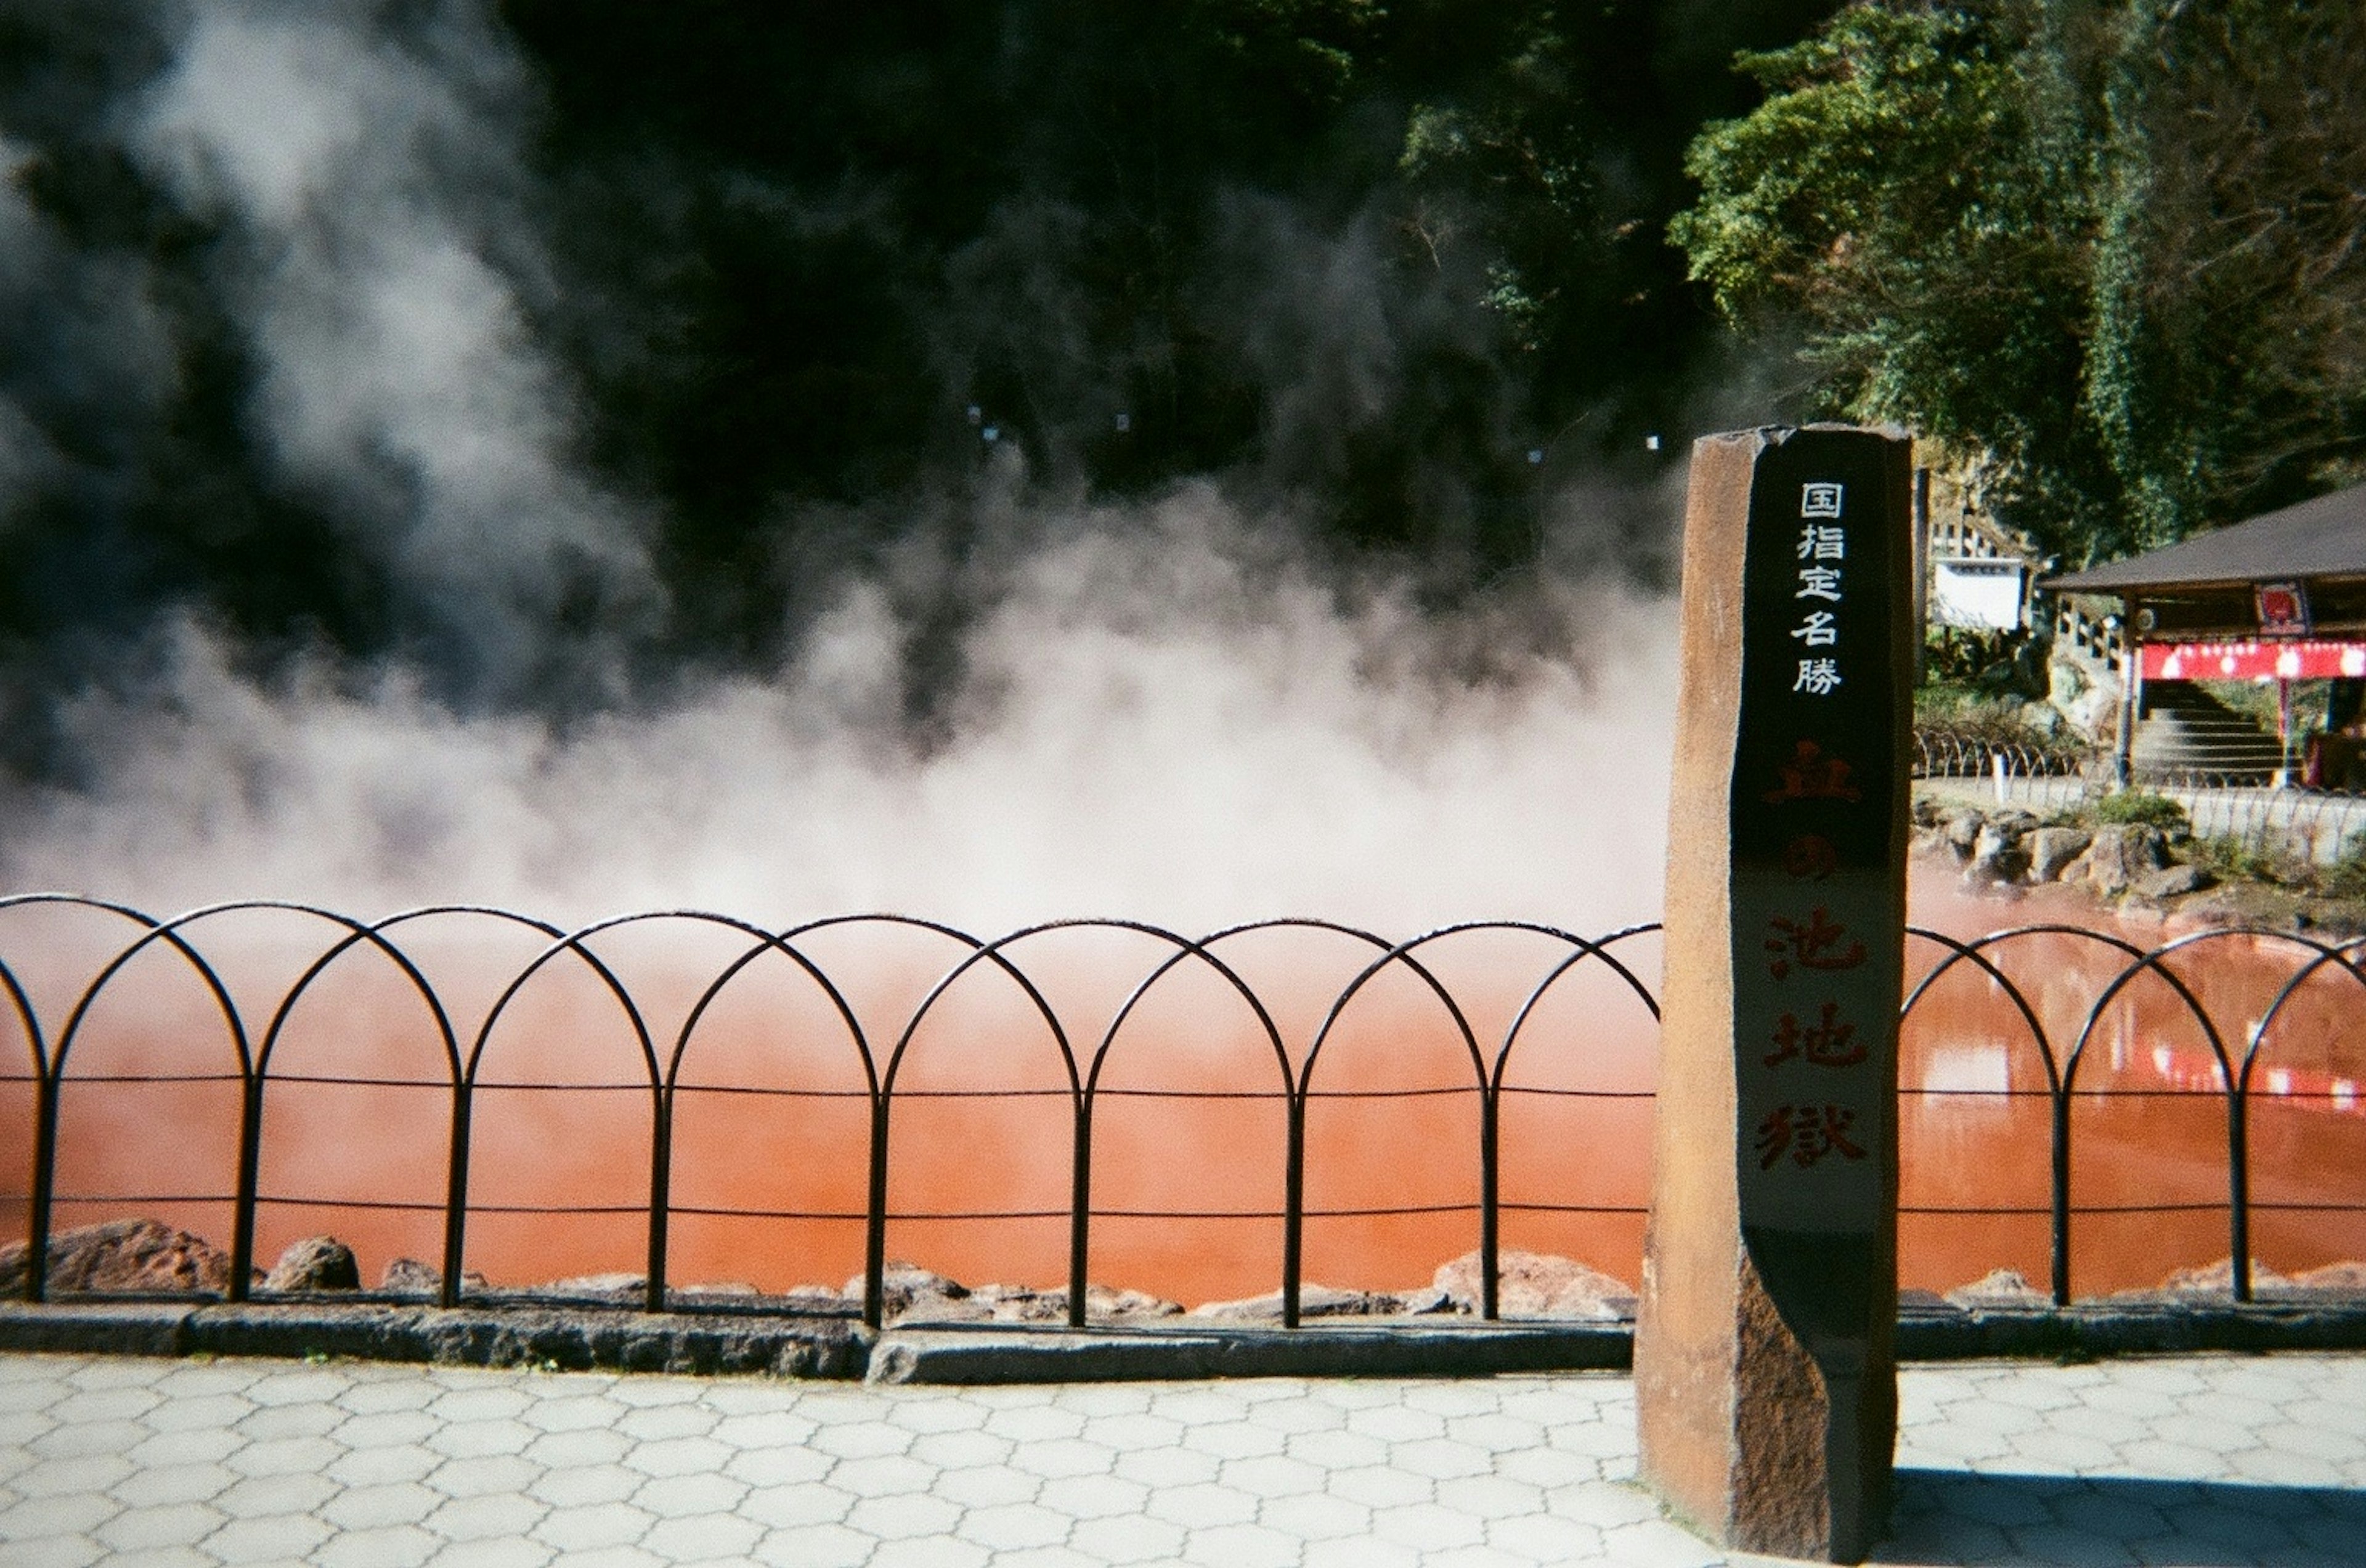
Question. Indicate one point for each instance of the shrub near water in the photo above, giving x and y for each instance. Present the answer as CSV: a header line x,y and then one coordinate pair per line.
x,y
2139,807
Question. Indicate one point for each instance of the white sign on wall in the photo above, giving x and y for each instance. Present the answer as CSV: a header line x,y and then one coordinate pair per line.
x,y
1976,594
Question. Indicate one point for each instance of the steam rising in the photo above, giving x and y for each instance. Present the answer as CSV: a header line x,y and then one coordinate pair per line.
x,y
372,195
1151,725
1176,710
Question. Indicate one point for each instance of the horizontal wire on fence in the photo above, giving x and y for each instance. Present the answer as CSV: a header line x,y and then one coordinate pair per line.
x,y
2255,1091
1061,1093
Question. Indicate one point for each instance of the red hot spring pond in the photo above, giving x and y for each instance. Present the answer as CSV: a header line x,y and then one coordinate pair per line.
x,y
772,1115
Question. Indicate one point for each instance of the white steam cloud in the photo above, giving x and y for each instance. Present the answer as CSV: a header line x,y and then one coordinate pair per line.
x,y
1168,721
373,184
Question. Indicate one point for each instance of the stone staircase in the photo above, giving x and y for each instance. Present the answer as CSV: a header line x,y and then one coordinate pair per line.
x,y
2184,730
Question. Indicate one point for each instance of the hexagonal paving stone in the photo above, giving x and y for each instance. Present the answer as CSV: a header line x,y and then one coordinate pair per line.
x,y
887,1475
1136,1539
699,1537
1007,1527
1060,1457
862,1439
1545,1538
1093,1497
580,1485
779,1467
1315,1517
676,1496
485,1517
578,1530
379,1467
481,1403
60,1477
677,1456
74,1439
362,1509
765,1429
500,1551
1201,1506
1243,1546
816,1546
903,1517
568,1449
69,1513
1037,1423
154,1484
124,1403
265,1497
481,1477
986,1485
962,1450
656,1423
283,1538
175,1524
795,1506
930,1551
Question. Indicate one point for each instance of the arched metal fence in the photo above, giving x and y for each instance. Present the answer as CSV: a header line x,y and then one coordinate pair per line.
x,y
253,1037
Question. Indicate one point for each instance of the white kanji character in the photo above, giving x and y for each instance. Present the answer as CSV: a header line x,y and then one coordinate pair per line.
x,y
1819,582
1817,677
1817,630
1820,501
1822,544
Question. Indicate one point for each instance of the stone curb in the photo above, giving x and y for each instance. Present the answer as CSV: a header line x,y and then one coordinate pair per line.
x,y
2127,1328
1000,1353
670,1342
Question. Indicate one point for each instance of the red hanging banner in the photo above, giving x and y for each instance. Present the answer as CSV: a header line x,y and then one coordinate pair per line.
x,y
2316,659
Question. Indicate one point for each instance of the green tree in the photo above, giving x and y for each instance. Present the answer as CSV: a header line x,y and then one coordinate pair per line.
x,y
2112,246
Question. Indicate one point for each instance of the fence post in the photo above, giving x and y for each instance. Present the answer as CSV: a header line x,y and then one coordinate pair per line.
x,y
1489,1225
1080,1208
250,1166
2061,1183
661,1199
456,1198
874,1236
1294,1207
45,1160
2238,1182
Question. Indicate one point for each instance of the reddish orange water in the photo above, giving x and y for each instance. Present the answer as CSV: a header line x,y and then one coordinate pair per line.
x,y
1169,1136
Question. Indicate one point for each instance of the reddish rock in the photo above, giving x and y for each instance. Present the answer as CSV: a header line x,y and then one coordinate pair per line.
x,y
2001,1287
128,1256
2217,1278
1025,1304
410,1276
315,1263
1313,1301
906,1285
2347,1278
1538,1284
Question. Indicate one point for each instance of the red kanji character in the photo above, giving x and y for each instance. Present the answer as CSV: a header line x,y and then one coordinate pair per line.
x,y
1805,1132
1827,1043
1811,775
1819,1133
1812,943
1812,856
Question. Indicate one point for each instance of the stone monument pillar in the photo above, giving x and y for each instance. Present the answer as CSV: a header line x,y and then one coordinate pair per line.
x,y
1764,1377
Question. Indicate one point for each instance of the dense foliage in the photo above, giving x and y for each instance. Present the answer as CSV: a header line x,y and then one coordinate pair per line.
x,y
2117,249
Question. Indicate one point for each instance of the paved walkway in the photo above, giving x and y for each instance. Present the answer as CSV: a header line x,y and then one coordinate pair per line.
x,y
2195,1460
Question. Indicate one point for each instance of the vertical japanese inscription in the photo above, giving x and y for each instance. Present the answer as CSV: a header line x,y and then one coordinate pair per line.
x,y
1815,901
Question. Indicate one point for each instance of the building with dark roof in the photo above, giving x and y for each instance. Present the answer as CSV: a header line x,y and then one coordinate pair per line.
x,y
2281,597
